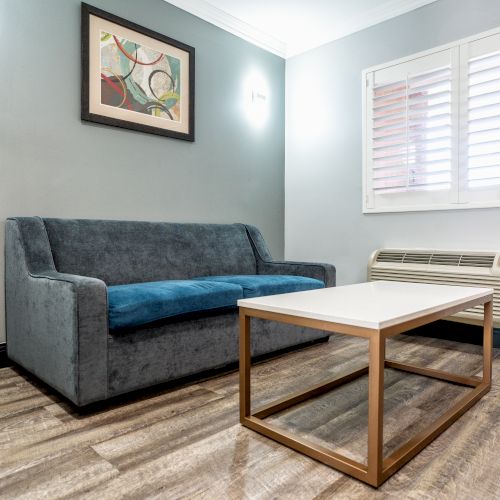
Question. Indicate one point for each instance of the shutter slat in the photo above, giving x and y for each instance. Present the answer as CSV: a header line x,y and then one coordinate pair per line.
x,y
391,111
483,124
484,62
484,160
428,165
431,109
414,118
484,75
487,98
431,133
416,187
430,90
389,122
388,100
484,148
484,136
428,76
438,133
490,172
391,88
442,118
420,144
486,111
433,99
412,151
444,154
379,100
392,132
484,87
399,171
441,176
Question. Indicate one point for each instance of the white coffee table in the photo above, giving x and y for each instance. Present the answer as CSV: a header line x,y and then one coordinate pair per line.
x,y
375,311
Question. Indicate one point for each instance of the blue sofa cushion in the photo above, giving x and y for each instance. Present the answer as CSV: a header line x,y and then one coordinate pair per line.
x,y
142,303
266,284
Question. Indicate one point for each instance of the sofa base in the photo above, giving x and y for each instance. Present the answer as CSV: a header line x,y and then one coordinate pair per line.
x,y
127,397
145,392
177,349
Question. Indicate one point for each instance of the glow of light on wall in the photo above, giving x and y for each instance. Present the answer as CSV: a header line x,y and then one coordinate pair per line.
x,y
256,99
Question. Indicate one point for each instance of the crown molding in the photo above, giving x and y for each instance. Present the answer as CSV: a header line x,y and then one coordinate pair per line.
x,y
220,18
205,10
385,11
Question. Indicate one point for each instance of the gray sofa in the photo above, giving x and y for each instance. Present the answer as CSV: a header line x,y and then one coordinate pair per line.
x,y
59,274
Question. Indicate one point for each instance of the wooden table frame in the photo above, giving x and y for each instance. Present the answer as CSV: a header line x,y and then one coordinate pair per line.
x,y
378,468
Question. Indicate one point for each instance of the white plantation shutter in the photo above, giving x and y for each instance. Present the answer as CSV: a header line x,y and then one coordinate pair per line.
x,y
410,127
432,129
412,133
481,168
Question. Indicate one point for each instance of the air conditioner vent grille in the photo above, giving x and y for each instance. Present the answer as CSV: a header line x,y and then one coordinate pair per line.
x,y
417,258
437,258
477,260
390,257
445,259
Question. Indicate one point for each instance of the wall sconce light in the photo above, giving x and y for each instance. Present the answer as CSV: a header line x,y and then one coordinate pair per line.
x,y
256,99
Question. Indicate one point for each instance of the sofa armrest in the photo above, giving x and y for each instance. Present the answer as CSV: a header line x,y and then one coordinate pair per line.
x,y
57,324
266,264
323,272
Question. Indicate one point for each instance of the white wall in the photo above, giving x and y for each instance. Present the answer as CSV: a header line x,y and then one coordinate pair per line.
x,y
323,209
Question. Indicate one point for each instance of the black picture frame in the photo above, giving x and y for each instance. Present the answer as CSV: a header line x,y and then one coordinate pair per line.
x,y
89,10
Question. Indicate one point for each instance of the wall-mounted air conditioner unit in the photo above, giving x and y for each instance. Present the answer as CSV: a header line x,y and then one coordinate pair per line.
x,y
465,268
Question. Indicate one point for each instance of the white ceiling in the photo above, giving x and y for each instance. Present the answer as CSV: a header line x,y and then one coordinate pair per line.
x,y
289,27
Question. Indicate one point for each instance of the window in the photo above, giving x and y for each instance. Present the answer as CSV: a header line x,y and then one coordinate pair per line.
x,y
432,129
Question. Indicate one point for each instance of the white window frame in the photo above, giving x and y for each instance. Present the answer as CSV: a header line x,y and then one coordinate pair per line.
x,y
458,124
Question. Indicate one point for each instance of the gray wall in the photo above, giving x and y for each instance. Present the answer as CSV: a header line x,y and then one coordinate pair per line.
x,y
323,212
51,164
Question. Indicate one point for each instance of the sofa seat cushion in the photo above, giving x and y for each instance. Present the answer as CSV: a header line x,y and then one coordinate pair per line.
x,y
259,285
141,303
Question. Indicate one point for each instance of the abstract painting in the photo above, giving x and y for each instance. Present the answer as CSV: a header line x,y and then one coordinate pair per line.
x,y
135,78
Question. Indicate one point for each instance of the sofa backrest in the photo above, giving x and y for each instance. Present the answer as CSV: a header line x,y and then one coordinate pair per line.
x,y
131,252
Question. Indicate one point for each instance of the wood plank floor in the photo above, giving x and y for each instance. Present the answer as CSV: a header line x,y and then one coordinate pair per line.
x,y
187,443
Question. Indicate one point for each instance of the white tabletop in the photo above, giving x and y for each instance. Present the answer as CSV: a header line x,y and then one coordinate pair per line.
x,y
377,304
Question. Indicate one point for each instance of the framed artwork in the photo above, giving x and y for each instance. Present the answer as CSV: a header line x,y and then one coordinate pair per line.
x,y
135,78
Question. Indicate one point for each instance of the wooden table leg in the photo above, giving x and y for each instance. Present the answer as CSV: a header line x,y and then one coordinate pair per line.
x,y
376,409
245,363
487,342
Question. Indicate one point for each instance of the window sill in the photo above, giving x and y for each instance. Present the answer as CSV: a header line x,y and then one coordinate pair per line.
x,y
427,208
